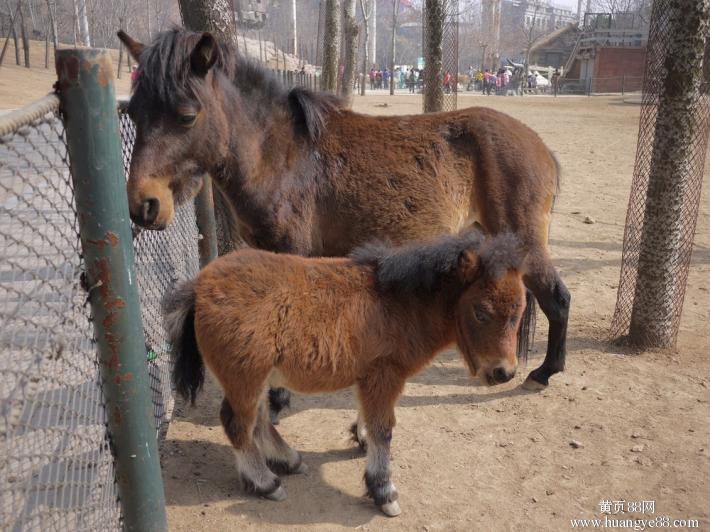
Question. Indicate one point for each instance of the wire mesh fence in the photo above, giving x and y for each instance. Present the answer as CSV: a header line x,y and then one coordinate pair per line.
x,y
440,48
56,467
161,259
450,59
677,107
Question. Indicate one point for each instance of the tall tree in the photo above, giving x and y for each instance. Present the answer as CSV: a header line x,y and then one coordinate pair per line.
x,y
331,46
82,20
395,11
24,35
366,8
433,55
294,23
679,124
215,16
350,33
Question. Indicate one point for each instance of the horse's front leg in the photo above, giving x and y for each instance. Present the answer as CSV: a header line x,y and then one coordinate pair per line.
x,y
377,397
554,299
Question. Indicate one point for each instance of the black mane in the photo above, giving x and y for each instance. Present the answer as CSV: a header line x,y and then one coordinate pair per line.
x,y
421,268
167,78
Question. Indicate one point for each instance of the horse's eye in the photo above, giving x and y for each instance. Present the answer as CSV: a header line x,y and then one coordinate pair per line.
x,y
187,120
480,315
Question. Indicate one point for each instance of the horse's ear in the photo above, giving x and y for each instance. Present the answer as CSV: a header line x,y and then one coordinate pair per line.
x,y
204,55
134,47
468,267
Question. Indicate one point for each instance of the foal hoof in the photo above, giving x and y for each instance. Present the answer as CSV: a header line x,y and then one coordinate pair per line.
x,y
391,509
278,495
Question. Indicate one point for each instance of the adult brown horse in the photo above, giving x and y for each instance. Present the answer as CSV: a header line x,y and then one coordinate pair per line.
x,y
304,175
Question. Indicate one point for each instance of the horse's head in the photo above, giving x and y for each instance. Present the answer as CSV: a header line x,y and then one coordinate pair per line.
x,y
490,307
180,128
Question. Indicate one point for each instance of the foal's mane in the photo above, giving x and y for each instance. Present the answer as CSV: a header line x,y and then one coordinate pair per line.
x,y
166,75
423,268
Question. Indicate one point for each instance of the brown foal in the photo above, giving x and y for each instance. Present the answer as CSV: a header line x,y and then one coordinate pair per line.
x,y
317,325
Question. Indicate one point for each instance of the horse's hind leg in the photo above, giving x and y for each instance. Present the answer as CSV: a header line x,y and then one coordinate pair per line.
x,y
378,395
554,300
359,431
279,398
281,458
239,420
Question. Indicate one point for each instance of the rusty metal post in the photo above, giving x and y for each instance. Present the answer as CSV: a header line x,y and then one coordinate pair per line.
x,y
206,223
88,100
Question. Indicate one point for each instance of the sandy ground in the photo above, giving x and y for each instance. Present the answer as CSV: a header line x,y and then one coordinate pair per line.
x,y
20,86
467,457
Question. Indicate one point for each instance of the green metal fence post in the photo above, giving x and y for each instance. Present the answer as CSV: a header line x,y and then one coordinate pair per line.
x,y
206,223
88,103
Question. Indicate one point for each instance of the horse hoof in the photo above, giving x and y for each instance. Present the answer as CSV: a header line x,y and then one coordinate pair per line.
x,y
532,385
391,509
278,495
302,469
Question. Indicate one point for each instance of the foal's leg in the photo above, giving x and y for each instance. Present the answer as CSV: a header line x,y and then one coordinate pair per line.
x,y
238,418
358,429
279,398
378,394
280,457
554,299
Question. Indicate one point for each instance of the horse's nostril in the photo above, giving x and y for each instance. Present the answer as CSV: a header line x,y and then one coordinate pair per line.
x,y
500,375
150,209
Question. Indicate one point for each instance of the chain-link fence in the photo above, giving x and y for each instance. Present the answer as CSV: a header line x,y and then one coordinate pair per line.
x,y
161,259
56,465
670,159
56,468
440,48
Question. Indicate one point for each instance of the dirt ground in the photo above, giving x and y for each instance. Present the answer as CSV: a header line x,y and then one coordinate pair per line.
x,y
468,457
20,86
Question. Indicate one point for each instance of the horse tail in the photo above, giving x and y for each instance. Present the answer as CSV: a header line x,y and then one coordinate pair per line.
x,y
526,332
188,368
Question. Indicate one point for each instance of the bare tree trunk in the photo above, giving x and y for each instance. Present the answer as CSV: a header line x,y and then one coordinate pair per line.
x,y
12,33
52,11
75,18
215,16
660,284
294,23
147,14
350,32
433,55
46,48
366,14
331,45
120,58
373,32
395,10
18,61
23,34
82,18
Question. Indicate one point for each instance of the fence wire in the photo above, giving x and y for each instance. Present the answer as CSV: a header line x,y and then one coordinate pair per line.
x,y
56,468
162,258
450,59
686,206
440,27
